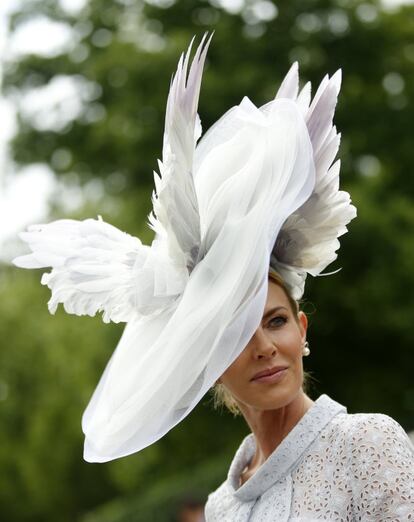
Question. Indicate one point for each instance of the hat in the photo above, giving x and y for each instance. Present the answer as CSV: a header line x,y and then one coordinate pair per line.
x,y
259,191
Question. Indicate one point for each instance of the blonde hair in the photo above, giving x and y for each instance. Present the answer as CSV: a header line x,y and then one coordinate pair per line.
x,y
221,395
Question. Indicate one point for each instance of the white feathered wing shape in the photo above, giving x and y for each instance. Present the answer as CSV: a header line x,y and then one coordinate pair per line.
x,y
98,268
175,200
308,240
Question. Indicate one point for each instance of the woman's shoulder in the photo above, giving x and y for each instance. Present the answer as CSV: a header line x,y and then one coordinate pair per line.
x,y
222,499
358,427
218,502
350,435
373,437
378,458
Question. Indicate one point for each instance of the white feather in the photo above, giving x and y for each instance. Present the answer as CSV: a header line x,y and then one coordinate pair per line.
x,y
307,242
175,208
290,84
98,268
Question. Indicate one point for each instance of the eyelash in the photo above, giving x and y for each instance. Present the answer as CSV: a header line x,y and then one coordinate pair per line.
x,y
284,321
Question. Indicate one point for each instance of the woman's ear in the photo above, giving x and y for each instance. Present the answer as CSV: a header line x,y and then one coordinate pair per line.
x,y
303,324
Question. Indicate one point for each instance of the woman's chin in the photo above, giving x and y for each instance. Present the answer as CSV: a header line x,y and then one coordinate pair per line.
x,y
274,397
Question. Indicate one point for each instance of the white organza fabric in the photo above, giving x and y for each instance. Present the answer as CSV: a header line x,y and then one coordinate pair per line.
x,y
333,466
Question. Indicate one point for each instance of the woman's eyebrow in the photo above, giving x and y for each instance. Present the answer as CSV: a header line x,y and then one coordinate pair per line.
x,y
272,311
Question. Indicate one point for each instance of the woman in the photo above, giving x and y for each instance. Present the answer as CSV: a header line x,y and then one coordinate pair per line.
x,y
259,191
305,460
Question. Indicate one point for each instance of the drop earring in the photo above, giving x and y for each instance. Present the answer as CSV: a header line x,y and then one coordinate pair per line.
x,y
305,349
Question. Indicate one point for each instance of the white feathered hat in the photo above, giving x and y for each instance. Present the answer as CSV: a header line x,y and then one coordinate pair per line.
x,y
259,190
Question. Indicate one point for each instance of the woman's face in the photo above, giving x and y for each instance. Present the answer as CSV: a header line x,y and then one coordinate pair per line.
x,y
276,343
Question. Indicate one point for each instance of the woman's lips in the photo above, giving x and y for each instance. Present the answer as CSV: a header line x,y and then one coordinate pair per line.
x,y
271,376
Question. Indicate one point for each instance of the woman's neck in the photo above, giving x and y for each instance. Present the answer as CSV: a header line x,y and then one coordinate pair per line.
x,y
270,427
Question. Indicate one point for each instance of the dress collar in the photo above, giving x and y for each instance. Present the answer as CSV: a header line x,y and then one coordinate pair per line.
x,y
286,455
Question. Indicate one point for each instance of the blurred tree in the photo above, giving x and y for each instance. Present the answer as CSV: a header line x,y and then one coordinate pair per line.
x,y
120,62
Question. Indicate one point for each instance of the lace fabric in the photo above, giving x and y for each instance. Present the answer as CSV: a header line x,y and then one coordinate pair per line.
x,y
332,466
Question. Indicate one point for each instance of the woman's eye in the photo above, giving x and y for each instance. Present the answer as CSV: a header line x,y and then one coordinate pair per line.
x,y
277,321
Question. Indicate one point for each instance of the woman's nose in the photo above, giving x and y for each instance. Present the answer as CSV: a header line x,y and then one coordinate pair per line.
x,y
262,344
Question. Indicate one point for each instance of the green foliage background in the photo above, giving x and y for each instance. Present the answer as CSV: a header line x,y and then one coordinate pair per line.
x,y
361,331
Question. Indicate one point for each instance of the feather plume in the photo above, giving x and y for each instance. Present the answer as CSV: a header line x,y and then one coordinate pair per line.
x,y
307,242
175,215
98,268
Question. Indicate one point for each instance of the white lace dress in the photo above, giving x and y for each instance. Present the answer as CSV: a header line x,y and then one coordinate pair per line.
x,y
332,466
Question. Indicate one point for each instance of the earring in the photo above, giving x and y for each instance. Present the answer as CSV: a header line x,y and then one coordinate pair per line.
x,y
305,349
